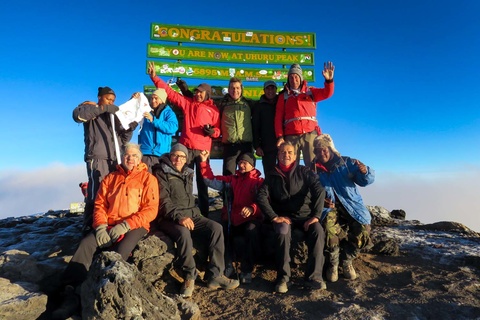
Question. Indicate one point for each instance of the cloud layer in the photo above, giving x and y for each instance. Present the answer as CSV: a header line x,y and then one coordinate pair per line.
x,y
451,196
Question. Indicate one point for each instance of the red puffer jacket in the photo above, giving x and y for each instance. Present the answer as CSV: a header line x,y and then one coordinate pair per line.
x,y
244,187
296,113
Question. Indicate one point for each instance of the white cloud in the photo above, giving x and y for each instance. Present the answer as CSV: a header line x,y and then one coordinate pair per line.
x,y
432,197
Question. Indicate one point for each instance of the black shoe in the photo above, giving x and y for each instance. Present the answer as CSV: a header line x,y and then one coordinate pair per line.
x,y
70,304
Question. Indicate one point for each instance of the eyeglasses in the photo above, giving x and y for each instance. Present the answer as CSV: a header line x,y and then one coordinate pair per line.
x,y
178,156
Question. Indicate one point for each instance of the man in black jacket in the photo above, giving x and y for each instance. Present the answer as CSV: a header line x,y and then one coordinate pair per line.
x,y
182,221
101,129
292,197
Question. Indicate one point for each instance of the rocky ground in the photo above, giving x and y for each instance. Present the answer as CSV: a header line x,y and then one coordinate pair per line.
x,y
414,271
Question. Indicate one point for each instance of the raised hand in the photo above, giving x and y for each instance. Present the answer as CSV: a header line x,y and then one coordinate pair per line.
x,y
328,70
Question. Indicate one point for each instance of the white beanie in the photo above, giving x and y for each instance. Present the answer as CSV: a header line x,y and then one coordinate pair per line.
x,y
161,93
325,141
296,69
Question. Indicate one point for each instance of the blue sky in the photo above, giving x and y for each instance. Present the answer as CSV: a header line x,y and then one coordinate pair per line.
x,y
406,99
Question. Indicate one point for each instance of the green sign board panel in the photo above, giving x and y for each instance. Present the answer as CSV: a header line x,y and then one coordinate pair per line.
x,y
186,70
228,55
238,37
252,92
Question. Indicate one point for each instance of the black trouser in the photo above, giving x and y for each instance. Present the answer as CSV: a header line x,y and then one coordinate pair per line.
x,y
315,239
150,160
205,230
96,171
231,151
269,160
77,269
202,188
250,231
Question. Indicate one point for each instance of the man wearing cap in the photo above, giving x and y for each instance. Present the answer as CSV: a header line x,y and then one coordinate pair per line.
x,y
241,215
264,140
157,129
296,111
292,198
182,221
201,123
345,218
236,124
101,129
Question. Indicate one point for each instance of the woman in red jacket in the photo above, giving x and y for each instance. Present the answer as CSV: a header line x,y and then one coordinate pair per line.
x,y
240,214
201,123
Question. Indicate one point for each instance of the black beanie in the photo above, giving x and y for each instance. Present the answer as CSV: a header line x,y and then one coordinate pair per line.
x,y
105,90
247,156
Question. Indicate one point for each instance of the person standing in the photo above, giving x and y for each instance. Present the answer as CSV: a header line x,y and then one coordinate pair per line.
x,y
157,129
296,110
345,218
126,203
264,140
236,125
292,198
102,131
180,219
201,123
241,215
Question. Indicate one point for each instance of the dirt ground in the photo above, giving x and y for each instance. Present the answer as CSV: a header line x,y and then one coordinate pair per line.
x,y
407,286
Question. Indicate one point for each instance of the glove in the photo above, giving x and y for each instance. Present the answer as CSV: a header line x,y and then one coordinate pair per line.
x,y
110,108
102,237
133,125
208,130
119,230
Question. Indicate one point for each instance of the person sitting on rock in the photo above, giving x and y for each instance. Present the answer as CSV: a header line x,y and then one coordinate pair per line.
x,y
240,215
292,197
345,218
127,201
181,220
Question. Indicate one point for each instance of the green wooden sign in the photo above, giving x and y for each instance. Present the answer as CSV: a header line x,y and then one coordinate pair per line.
x,y
228,55
259,74
239,37
252,92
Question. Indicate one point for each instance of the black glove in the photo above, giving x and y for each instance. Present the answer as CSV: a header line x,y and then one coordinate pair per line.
x,y
208,130
133,125
111,108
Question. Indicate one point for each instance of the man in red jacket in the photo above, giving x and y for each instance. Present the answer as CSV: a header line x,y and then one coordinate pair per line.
x,y
296,111
201,123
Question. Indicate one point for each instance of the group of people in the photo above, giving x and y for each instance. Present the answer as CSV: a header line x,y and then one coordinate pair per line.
x,y
152,184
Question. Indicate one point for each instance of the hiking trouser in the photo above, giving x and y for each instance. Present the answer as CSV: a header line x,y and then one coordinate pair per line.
x,y
96,171
346,233
77,268
207,232
250,231
315,239
202,188
304,143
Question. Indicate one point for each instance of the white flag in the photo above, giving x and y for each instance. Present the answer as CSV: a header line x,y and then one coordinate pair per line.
x,y
133,110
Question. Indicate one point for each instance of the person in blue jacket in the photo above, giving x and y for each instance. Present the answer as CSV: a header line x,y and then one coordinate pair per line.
x,y
159,125
345,218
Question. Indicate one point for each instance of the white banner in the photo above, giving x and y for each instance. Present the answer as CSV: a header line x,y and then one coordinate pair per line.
x,y
133,110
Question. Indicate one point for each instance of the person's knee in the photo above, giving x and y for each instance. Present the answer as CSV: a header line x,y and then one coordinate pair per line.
x,y
282,229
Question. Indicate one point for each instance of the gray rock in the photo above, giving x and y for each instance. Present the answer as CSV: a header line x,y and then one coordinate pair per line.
x,y
115,289
21,300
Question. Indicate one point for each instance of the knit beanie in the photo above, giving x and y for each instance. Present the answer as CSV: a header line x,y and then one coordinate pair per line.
x,y
179,147
325,141
162,94
296,69
247,156
105,90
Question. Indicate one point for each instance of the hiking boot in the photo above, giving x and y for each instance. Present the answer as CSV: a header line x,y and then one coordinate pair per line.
x,y
281,287
222,282
187,288
246,278
229,270
316,284
349,271
332,273
70,304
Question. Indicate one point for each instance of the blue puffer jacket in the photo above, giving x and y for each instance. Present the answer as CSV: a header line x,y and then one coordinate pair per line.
x,y
155,138
340,180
